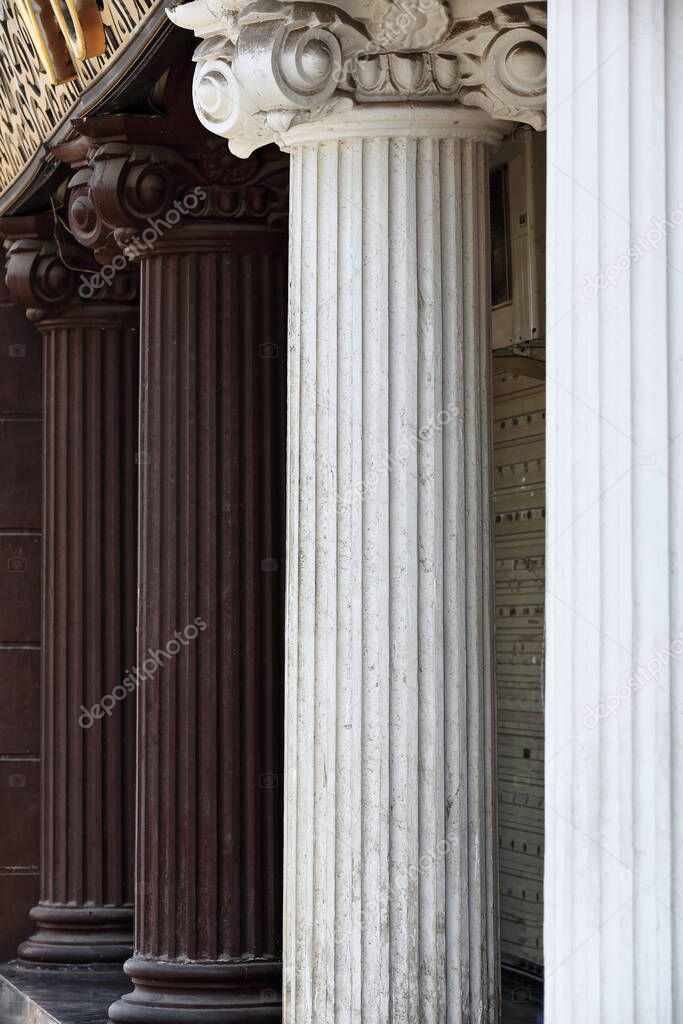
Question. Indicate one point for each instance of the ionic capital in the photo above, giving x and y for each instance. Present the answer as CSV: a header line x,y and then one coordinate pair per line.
x,y
44,267
267,66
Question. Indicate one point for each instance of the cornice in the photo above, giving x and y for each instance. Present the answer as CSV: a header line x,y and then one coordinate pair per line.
x,y
265,67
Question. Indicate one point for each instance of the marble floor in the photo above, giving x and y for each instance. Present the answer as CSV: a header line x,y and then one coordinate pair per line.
x,y
82,997
66,997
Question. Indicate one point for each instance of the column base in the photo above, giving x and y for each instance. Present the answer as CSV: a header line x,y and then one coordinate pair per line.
x,y
68,935
201,993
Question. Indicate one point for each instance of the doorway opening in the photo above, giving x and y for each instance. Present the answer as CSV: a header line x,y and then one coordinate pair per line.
x,y
517,176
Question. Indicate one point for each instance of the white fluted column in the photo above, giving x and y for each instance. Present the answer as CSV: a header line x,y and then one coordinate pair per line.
x,y
389,849
614,896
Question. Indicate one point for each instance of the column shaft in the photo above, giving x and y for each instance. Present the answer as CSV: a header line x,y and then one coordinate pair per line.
x,y
209,861
614,902
89,584
389,819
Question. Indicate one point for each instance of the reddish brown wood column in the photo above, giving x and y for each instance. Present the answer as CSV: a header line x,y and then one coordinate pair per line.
x,y
209,815
209,839
90,389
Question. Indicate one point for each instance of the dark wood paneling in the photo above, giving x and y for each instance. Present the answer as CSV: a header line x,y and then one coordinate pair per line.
x,y
20,695
20,362
18,892
20,588
20,579
20,473
20,807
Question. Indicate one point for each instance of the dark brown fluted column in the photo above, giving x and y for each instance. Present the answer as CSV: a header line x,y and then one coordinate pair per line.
x,y
208,909
90,390
213,327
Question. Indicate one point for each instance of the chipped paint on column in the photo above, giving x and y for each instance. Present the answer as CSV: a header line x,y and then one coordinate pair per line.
x,y
613,931
390,882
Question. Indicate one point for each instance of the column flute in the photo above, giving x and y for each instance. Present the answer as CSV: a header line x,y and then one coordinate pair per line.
x,y
90,415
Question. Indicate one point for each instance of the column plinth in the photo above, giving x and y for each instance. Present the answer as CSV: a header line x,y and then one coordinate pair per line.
x,y
90,388
73,935
211,993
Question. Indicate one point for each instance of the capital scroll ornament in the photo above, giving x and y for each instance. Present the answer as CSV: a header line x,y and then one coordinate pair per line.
x,y
43,269
130,188
266,66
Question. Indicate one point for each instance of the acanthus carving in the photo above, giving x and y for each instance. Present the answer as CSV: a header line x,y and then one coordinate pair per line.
x,y
265,66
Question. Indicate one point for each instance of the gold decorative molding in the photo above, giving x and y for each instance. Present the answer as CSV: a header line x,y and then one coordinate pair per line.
x,y
63,31
31,107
